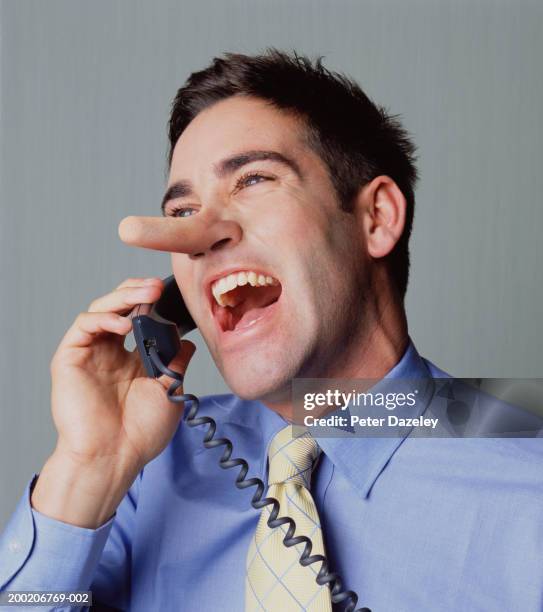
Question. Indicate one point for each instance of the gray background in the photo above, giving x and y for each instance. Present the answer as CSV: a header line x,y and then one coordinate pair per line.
x,y
85,93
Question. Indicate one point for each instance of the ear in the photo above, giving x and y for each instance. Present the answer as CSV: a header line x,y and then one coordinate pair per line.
x,y
382,205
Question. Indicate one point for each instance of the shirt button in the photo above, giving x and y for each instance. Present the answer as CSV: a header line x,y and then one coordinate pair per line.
x,y
14,546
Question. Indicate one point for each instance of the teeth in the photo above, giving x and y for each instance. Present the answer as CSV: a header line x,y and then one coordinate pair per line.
x,y
231,282
225,284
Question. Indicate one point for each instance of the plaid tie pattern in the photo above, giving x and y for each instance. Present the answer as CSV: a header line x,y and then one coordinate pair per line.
x,y
275,580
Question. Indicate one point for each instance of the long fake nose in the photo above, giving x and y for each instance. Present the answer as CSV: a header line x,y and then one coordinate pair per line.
x,y
194,235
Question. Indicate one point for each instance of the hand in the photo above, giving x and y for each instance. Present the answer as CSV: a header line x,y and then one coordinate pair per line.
x,y
106,409
111,418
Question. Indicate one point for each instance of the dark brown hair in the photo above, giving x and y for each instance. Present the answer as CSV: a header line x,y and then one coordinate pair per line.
x,y
356,139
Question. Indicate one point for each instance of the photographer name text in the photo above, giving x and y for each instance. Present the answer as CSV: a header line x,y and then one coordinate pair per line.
x,y
355,421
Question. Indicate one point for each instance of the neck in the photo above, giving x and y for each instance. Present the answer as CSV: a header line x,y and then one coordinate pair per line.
x,y
373,350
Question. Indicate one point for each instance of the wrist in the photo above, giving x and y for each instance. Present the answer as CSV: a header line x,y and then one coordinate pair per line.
x,y
81,493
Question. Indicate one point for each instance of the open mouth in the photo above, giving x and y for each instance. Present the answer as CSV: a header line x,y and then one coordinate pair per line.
x,y
240,299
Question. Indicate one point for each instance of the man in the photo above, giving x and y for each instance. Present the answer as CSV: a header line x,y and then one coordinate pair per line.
x,y
289,183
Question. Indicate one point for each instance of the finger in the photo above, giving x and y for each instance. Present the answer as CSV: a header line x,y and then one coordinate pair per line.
x,y
179,363
193,234
138,282
88,325
124,299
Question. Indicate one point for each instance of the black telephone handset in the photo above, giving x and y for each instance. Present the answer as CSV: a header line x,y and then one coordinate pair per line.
x,y
160,325
157,330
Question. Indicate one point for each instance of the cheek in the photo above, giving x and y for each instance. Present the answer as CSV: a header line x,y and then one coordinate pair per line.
x,y
292,222
286,206
331,259
180,267
313,240
183,270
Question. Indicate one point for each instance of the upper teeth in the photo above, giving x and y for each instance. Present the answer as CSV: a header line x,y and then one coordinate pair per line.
x,y
238,279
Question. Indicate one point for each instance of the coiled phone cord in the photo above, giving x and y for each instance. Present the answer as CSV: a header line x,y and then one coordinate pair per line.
x,y
333,580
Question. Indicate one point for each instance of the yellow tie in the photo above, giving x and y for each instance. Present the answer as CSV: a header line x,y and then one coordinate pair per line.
x,y
275,580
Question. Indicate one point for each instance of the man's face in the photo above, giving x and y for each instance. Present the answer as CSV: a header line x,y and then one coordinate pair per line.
x,y
283,225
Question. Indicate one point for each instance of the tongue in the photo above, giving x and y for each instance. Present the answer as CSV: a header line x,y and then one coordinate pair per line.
x,y
249,316
251,307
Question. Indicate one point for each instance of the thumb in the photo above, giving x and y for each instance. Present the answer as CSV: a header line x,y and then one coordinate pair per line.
x,y
179,363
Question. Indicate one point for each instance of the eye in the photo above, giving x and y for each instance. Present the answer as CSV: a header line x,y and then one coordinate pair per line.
x,y
181,211
248,179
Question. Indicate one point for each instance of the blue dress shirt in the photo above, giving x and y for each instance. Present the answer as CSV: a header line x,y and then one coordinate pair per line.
x,y
411,524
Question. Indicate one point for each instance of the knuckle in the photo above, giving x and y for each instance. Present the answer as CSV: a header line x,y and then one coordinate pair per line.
x,y
81,318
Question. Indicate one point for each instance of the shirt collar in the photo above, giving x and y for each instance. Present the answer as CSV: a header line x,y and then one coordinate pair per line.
x,y
361,459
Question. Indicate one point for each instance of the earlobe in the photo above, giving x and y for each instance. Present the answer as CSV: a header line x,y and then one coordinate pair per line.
x,y
385,215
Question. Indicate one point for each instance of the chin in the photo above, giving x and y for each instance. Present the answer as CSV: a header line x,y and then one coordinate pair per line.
x,y
259,380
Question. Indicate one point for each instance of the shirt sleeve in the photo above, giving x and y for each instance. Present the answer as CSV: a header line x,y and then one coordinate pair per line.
x,y
39,553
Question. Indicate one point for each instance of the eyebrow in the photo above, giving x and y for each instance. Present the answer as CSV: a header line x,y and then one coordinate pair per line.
x,y
226,167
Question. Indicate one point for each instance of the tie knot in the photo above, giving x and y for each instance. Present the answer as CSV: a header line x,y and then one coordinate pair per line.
x,y
292,459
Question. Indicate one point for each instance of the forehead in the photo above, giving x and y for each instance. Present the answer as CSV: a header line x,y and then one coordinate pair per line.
x,y
235,124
